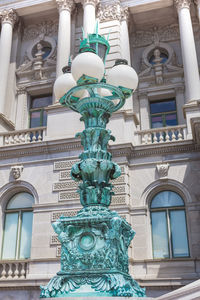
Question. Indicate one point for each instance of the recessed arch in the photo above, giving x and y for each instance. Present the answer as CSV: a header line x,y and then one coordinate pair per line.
x,y
12,188
161,185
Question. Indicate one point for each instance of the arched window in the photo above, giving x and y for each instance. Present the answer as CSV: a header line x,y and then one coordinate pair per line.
x,y
169,229
18,227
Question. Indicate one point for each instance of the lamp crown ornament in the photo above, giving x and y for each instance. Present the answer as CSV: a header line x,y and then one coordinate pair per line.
x,y
94,244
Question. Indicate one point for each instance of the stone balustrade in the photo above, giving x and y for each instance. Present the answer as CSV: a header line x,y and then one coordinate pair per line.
x,y
10,270
162,135
31,135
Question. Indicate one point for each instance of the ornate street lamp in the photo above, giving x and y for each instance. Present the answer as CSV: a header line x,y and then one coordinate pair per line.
x,y
94,244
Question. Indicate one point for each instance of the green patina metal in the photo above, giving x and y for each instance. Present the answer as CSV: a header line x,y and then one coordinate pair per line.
x,y
98,43
94,244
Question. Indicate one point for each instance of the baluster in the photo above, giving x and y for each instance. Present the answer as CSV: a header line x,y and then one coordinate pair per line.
x,y
34,136
17,140
161,133
180,135
12,139
155,140
149,140
39,135
6,140
173,135
28,138
10,271
16,273
143,139
22,137
167,136
23,271
3,273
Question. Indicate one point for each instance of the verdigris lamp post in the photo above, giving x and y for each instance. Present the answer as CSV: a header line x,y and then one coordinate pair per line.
x,y
94,244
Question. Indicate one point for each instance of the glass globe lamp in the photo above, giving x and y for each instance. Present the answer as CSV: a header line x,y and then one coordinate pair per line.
x,y
122,75
64,83
88,64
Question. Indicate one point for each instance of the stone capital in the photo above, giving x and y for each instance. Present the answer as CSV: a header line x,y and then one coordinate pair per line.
x,y
65,5
182,4
21,90
91,2
8,16
124,14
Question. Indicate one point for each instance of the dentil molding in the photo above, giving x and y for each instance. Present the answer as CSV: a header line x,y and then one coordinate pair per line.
x,y
8,16
182,4
65,5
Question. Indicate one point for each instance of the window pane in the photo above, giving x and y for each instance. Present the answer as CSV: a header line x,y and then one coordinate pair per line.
x,y
26,234
162,106
35,120
179,233
171,120
159,235
39,102
20,200
157,122
167,199
10,236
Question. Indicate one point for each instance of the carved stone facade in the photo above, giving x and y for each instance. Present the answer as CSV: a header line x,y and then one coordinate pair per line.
x,y
152,158
114,11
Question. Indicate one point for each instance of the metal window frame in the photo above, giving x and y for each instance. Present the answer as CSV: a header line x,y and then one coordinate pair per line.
x,y
20,212
170,243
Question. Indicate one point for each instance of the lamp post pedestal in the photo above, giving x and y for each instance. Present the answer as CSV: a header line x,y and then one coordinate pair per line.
x,y
94,257
94,244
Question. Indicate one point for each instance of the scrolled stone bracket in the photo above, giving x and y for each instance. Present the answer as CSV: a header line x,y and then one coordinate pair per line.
x,y
162,170
8,16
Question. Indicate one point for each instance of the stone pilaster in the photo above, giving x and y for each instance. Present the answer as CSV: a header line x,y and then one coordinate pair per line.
x,y
144,111
64,33
189,56
8,19
197,2
22,109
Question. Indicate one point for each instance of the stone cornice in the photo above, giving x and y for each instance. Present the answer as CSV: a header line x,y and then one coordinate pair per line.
x,y
182,4
8,16
65,5
121,150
